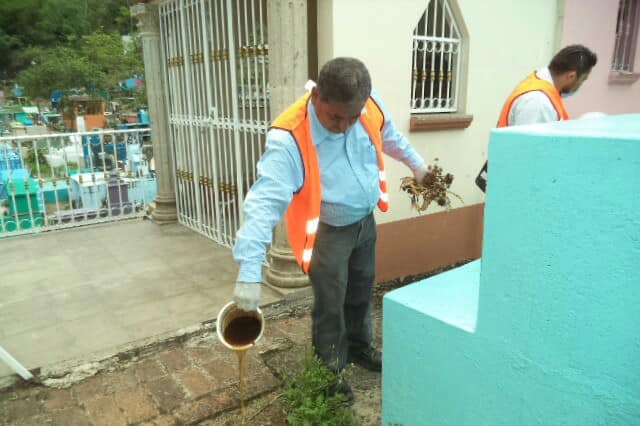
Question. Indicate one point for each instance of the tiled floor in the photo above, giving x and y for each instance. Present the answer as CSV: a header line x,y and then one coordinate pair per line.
x,y
67,294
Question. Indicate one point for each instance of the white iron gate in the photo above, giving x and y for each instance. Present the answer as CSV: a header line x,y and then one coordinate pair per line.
x,y
216,56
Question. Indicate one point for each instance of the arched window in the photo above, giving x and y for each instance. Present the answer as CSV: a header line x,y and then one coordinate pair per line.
x,y
437,47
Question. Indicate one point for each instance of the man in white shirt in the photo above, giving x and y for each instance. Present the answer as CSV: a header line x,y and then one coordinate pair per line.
x,y
567,71
538,98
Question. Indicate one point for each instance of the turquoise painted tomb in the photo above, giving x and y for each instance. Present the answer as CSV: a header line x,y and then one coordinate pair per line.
x,y
545,329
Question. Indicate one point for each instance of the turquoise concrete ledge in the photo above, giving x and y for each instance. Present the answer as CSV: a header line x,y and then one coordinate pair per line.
x,y
545,329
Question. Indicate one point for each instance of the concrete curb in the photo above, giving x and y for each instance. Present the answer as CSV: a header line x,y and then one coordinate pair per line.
x,y
68,372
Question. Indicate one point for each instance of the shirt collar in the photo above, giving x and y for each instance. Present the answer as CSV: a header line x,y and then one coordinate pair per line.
x,y
318,132
544,74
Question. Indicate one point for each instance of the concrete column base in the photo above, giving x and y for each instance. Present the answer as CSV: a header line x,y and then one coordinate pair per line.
x,y
285,271
165,211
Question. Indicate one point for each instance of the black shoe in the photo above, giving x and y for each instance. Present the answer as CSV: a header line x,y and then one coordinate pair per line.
x,y
369,358
341,388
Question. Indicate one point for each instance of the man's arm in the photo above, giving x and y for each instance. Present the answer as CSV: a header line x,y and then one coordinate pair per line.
x,y
394,143
531,108
280,174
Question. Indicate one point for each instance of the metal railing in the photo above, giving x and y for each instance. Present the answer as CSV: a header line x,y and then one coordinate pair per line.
x,y
64,180
437,45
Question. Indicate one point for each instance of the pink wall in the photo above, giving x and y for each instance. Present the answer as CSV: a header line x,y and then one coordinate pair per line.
x,y
593,23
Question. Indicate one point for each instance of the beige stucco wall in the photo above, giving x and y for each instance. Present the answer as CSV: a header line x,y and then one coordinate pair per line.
x,y
508,39
593,23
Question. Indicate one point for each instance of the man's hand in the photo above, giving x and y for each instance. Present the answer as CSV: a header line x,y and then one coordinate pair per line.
x,y
247,296
420,173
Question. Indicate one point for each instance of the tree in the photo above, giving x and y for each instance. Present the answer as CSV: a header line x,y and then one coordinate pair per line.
x,y
16,32
97,62
56,68
116,60
62,20
26,24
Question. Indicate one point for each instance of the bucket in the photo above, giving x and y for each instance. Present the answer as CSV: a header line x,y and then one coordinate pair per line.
x,y
238,329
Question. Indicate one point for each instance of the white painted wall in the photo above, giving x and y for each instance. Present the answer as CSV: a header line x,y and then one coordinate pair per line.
x,y
508,39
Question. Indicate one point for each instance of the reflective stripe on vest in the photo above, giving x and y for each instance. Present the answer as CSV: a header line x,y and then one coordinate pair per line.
x,y
303,214
312,228
530,84
312,225
373,121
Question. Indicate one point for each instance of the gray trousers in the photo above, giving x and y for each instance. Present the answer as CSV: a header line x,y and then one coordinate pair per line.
x,y
342,275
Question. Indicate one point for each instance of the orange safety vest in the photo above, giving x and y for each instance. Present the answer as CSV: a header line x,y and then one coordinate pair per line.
x,y
303,214
529,84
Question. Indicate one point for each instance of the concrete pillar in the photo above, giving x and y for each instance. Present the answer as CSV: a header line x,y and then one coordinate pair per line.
x,y
149,25
287,23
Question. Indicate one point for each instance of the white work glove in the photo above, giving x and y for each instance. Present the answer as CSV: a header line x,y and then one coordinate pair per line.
x,y
247,296
420,173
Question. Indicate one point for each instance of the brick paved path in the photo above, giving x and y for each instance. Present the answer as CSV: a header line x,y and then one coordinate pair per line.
x,y
191,382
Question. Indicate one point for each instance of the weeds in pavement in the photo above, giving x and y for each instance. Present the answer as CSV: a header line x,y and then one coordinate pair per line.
x,y
309,399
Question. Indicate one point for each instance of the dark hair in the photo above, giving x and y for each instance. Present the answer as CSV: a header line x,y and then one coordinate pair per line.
x,y
344,80
575,57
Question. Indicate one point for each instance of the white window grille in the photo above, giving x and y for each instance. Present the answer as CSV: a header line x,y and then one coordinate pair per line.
x,y
437,47
626,35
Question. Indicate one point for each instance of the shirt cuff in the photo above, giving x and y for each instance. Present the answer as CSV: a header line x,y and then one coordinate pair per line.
x,y
250,272
414,162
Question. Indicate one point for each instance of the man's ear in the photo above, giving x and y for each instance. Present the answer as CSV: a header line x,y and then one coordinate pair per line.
x,y
571,77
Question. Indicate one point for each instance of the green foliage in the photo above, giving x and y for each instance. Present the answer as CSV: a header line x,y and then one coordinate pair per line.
x,y
76,18
96,61
115,59
49,22
16,32
309,400
55,68
37,162
74,46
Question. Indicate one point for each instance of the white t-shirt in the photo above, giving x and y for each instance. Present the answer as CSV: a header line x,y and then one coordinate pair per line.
x,y
533,107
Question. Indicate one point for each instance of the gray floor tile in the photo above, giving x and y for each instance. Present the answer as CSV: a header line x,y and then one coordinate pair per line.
x,y
67,294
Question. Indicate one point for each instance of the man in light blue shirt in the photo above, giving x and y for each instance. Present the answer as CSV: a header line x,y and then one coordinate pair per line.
x,y
342,268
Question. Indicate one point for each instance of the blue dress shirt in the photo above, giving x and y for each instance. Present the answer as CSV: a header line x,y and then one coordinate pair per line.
x,y
349,176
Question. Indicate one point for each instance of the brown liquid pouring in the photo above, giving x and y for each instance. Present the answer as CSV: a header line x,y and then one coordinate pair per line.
x,y
241,363
240,332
